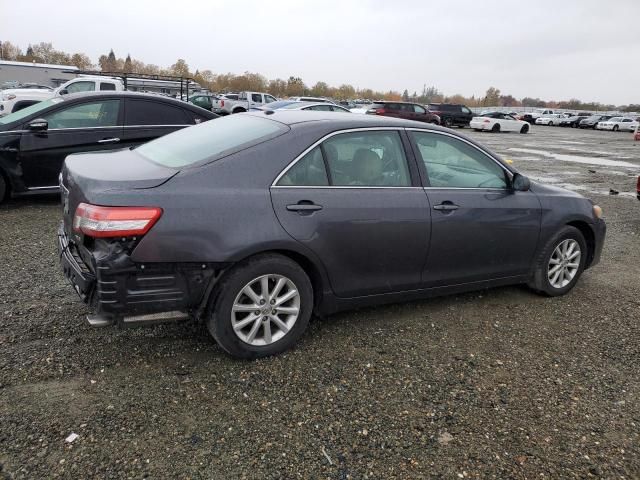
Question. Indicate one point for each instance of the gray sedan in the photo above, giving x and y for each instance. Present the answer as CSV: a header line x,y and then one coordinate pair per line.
x,y
253,222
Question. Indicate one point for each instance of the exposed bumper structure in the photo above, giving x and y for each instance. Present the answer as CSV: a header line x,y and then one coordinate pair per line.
x,y
116,287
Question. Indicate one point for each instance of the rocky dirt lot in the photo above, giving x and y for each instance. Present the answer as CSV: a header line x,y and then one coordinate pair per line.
x,y
495,384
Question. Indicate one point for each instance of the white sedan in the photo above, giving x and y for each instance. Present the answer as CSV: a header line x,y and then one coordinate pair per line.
x,y
551,119
498,122
618,123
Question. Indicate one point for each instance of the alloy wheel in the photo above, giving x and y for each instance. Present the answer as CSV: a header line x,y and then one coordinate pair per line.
x,y
564,263
265,310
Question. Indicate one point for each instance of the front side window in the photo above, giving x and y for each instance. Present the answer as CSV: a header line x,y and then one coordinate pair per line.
x,y
81,87
86,115
452,163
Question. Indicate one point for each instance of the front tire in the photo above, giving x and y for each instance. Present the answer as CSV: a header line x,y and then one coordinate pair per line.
x,y
261,307
561,263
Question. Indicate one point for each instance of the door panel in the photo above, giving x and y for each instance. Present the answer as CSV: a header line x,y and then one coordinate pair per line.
x,y
371,240
481,229
42,153
492,234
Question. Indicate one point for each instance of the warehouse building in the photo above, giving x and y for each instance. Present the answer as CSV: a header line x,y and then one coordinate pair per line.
x,y
15,73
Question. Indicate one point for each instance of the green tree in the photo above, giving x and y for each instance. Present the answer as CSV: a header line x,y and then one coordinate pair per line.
x,y
128,64
295,87
491,98
180,68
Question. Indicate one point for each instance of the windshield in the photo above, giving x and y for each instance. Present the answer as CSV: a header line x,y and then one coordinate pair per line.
x,y
210,140
25,112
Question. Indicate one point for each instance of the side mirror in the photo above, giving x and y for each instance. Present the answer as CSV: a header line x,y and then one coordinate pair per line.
x,y
38,125
520,183
64,91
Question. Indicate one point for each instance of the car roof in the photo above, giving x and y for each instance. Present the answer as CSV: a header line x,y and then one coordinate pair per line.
x,y
128,94
293,117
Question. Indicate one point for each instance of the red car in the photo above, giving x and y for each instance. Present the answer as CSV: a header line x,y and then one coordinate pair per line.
x,y
405,110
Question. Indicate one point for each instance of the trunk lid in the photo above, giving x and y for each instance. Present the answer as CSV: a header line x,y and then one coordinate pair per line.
x,y
85,176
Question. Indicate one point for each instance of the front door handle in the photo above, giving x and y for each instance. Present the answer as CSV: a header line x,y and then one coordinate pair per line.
x,y
446,206
304,207
109,140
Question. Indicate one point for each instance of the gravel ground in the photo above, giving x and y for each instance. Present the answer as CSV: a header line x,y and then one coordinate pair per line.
x,y
496,384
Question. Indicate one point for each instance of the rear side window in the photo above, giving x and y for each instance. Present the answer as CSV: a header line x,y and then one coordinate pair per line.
x,y
368,159
145,112
309,171
210,141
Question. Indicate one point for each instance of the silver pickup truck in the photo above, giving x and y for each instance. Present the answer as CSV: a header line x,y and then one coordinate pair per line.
x,y
242,102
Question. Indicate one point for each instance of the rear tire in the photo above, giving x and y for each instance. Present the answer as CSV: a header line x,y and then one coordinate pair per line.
x,y
496,128
240,322
557,272
524,129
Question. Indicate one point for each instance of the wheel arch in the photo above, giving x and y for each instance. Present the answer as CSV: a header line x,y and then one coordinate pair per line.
x,y
315,272
589,237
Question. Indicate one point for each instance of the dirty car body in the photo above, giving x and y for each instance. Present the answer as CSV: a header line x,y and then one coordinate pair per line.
x,y
288,187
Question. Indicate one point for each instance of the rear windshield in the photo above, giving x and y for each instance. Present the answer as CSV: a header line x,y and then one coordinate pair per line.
x,y
210,140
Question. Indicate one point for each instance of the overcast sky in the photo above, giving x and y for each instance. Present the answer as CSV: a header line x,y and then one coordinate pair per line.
x,y
552,49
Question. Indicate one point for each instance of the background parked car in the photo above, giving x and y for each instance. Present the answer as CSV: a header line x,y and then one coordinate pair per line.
x,y
310,99
592,121
499,122
427,212
617,123
35,141
12,100
451,114
551,119
406,110
314,106
573,121
531,117
203,100
244,102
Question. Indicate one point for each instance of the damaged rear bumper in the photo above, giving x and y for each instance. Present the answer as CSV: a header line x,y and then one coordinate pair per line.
x,y
113,285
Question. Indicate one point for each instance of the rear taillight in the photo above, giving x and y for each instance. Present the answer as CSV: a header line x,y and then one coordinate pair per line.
x,y
103,222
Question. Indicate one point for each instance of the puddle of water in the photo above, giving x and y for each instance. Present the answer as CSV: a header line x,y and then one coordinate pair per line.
x,y
577,159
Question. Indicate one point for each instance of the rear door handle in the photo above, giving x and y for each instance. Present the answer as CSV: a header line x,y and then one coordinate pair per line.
x,y
109,140
446,206
304,207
